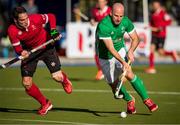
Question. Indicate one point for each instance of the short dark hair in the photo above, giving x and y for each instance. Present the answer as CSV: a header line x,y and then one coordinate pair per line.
x,y
18,10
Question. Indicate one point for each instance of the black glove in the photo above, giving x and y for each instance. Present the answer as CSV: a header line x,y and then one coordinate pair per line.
x,y
54,33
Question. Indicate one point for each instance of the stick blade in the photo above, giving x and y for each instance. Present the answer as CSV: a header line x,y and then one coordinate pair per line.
x,y
2,66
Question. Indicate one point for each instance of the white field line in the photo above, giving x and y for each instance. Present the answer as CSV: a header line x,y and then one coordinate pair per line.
x,y
47,121
90,91
170,103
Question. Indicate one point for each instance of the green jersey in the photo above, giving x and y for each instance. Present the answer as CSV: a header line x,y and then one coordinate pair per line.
x,y
107,30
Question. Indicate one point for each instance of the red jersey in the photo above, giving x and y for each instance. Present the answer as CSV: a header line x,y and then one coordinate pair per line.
x,y
34,35
99,15
160,19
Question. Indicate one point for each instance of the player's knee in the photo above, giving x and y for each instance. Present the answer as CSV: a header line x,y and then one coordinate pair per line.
x,y
152,48
57,76
27,82
130,75
161,52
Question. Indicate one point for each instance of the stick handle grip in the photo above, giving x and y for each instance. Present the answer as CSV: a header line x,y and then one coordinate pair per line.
x,y
124,73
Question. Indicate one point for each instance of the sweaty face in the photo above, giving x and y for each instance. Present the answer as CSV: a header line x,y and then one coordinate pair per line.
x,y
22,20
117,15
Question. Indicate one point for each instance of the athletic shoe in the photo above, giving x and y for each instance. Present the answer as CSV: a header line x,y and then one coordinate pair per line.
x,y
151,70
151,105
67,85
131,106
174,56
99,75
45,108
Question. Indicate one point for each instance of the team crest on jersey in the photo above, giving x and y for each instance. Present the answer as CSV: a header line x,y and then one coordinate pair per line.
x,y
112,33
43,16
53,64
33,27
122,29
20,33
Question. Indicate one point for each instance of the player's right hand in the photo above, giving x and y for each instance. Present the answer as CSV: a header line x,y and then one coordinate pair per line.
x,y
25,54
126,66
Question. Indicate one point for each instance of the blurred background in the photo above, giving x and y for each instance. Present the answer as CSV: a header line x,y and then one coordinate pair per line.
x,y
91,101
75,25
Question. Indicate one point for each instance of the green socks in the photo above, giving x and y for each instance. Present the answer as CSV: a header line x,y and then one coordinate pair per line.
x,y
138,85
126,95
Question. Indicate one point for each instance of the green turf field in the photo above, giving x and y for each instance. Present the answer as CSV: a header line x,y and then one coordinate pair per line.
x,y
91,102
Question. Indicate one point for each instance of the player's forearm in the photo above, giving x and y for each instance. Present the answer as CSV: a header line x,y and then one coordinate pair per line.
x,y
134,45
109,45
52,20
116,55
135,42
18,49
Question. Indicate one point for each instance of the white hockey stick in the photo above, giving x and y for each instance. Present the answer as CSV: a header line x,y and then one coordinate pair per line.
x,y
118,87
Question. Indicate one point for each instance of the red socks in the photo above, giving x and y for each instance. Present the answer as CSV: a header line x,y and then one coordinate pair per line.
x,y
171,53
151,59
36,94
168,53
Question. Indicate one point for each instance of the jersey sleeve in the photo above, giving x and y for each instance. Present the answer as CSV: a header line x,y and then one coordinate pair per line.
x,y
103,32
129,26
15,41
45,18
167,19
52,20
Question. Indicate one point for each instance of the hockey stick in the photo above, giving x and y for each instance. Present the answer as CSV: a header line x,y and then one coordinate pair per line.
x,y
3,66
122,78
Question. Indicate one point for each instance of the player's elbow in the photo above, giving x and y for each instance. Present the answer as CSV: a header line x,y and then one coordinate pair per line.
x,y
51,15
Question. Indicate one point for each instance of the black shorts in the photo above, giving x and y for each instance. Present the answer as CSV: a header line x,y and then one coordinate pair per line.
x,y
48,56
158,42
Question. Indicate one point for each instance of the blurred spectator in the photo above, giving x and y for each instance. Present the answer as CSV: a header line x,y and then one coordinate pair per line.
x,y
158,23
175,9
99,11
30,6
60,45
97,14
4,42
5,47
3,20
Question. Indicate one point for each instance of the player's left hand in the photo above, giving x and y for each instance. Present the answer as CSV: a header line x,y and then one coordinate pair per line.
x,y
131,56
55,34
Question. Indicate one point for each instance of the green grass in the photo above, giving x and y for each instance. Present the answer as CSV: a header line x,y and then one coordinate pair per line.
x,y
89,107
